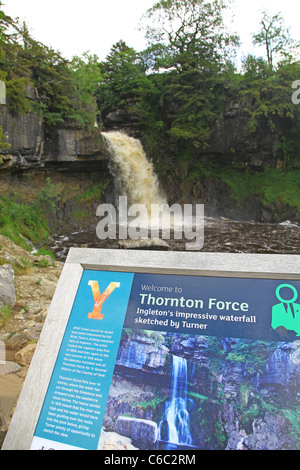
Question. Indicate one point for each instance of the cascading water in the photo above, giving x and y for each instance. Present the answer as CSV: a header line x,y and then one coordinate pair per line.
x,y
134,177
174,427
133,173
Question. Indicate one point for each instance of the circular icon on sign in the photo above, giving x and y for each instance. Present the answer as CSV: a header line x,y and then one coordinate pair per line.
x,y
291,301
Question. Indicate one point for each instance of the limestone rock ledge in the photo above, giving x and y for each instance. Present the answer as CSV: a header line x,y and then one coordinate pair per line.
x,y
32,147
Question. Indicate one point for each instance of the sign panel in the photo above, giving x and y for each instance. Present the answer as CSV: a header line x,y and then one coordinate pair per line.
x,y
73,410
241,308
175,339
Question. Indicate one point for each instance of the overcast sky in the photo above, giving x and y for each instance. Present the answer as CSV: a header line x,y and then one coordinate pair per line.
x,y
74,26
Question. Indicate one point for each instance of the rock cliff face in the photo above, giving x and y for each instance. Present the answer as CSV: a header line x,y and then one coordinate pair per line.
x,y
73,150
25,134
230,140
71,158
141,353
231,146
33,147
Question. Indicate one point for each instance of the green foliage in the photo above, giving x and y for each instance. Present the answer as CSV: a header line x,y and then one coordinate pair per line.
x,y
267,98
254,354
46,251
122,71
270,185
19,220
5,314
16,95
43,263
87,75
62,90
199,102
49,196
93,193
293,416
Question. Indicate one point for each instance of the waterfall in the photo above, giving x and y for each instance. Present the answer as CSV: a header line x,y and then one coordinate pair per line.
x,y
134,175
175,423
148,211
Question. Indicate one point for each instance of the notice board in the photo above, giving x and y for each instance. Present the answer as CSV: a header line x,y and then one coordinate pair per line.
x,y
156,348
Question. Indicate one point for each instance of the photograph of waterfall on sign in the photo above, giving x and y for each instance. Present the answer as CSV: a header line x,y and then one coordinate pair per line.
x,y
179,391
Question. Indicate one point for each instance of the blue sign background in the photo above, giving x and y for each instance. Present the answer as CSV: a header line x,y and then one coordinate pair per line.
x,y
259,294
114,310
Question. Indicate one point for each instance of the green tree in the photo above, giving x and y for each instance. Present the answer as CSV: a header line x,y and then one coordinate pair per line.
x,y
5,23
276,39
122,71
87,76
266,96
255,67
56,86
188,33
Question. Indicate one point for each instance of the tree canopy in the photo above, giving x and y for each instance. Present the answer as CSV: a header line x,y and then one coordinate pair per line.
x,y
275,37
187,33
38,78
178,85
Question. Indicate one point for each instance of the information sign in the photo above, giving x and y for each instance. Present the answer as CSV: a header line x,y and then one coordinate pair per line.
x,y
174,331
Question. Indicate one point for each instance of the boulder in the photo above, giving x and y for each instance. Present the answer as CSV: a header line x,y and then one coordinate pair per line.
x,y
142,432
24,356
111,441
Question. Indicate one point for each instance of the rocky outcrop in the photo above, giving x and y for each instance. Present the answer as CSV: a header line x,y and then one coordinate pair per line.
x,y
141,352
127,119
113,441
25,135
74,144
281,371
31,146
142,432
270,433
231,140
72,149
